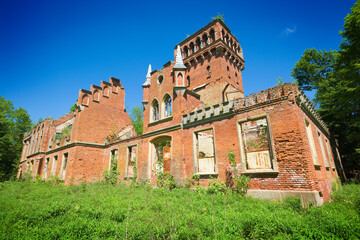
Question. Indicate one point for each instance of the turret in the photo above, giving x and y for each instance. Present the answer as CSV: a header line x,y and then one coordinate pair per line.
x,y
179,73
146,87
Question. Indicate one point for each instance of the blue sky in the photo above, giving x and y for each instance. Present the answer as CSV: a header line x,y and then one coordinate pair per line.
x,y
51,49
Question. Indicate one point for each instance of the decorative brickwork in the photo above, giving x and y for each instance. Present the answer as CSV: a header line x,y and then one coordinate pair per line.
x,y
194,113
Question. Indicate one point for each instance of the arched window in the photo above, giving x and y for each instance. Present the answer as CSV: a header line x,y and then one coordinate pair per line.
x,y
180,80
154,111
212,36
228,71
198,44
167,106
106,91
186,51
96,95
192,47
208,72
188,80
85,100
205,39
222,34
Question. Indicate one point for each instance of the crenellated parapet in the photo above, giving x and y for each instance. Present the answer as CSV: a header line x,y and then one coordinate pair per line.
x,y
287,91
97,94
208,113
306,105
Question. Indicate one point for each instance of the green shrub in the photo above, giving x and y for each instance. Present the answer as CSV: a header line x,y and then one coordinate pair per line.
x,y
293,203
37,210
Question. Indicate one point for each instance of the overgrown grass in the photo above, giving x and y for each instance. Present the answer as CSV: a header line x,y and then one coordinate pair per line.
x,y
96,211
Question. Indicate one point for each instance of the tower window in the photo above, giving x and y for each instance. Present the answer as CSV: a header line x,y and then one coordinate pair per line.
x,y
154,111
208,72
167,108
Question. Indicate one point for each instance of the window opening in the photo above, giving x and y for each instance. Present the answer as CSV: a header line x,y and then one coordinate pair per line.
x,y
205,151
256,144
131,162
311,143
64,166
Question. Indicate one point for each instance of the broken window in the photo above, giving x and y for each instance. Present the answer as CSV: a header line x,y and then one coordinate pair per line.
x,y
166,106
205,152
46,167
323,151
53,167
311,143
131,161
162,155
64,166
155,110
113,159
256,144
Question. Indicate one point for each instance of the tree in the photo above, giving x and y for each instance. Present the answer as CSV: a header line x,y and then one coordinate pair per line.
x,y
335,75
13,124
136,116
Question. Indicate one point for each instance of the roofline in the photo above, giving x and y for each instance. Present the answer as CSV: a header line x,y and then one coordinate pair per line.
x,y
213,22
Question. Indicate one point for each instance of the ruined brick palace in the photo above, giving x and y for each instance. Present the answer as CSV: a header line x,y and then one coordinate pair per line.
x,y
194,112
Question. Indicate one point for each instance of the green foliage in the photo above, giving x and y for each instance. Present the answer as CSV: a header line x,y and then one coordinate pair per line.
x,y
65,132
335,75
279,81
111,176
219,16
136,116
293,203
32,210
241,181
73,108
217,187
13,124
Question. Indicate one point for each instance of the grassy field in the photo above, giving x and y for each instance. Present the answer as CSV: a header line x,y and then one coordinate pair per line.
x,y
39,210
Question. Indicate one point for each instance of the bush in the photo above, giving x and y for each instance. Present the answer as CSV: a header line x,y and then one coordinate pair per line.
x,y
32,210
293,203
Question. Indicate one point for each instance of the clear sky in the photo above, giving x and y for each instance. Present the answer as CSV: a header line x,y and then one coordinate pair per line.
x,y
51,49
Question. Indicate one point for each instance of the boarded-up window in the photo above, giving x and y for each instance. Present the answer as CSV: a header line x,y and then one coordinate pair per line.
x,y
311,143
256,144
131,161
205,152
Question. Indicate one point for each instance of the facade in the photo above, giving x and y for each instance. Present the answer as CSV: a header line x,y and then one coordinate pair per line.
x,y
195,112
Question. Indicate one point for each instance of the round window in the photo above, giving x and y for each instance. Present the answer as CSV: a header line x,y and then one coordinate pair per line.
x,y
160,79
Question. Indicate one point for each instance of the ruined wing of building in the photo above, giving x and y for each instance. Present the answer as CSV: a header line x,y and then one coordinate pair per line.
x,y
194,112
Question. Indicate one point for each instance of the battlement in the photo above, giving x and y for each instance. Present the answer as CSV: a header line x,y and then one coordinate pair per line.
x,y
97,94
242,104
64,118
